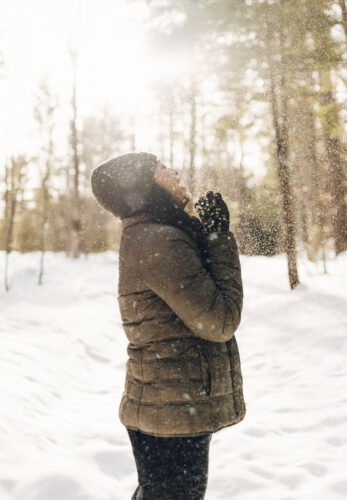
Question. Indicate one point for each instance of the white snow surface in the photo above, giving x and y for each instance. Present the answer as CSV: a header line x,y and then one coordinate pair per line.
x,y
62,365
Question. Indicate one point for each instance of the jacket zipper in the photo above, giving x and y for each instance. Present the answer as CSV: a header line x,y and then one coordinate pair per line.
x,y
208,370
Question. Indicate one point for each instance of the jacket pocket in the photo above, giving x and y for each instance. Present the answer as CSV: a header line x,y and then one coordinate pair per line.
x,y
205,372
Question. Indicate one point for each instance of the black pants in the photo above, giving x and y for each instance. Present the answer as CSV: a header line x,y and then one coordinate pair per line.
x,y
170,468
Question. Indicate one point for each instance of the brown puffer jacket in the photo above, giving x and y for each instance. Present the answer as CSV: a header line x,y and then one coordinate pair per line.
x,y
183,375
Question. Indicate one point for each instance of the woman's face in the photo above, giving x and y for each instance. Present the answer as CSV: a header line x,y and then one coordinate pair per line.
x,y
169,179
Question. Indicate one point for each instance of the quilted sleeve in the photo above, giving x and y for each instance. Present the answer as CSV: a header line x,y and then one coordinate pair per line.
x,y
207,299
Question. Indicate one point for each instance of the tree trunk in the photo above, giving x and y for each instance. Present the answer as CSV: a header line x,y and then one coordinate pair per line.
x,y
45,196
7,230
171,134
76,210
192,138
331,127
279,105
318,184
344,15
13,180
132,135
304,229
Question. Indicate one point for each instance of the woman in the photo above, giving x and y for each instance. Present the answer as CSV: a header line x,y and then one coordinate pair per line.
x,y
180,296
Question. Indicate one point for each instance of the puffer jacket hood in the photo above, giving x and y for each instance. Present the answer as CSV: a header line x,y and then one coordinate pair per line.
x,y
122,185
125,186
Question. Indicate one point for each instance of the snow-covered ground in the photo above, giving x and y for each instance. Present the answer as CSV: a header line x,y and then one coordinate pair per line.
x,y
62,366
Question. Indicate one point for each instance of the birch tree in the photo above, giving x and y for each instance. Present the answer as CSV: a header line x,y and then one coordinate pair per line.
x,y
75,191
44,114
14,175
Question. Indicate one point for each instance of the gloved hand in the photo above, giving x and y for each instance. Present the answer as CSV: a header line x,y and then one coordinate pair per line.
x,y
213,212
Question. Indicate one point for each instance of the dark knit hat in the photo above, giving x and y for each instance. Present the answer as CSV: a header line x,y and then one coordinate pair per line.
x,y
122,185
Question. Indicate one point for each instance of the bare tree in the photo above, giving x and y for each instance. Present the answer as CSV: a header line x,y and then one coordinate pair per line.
x,y
344,15
279,106
316,179
44,114
76,207
14,173
192,136
331,125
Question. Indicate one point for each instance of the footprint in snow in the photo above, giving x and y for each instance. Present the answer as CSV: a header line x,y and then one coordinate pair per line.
x,y
262,473
334,441
115,463
254,432
285,410
55,487
315,469
292,481
334,421
341,488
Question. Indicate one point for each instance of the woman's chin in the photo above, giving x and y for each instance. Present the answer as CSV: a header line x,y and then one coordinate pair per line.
x,y
187,196
181,195
186,199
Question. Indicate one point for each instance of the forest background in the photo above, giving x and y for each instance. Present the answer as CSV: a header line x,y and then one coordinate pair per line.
x,y
247,97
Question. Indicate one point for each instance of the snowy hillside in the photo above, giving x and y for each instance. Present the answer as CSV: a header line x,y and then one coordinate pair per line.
x,y
62,362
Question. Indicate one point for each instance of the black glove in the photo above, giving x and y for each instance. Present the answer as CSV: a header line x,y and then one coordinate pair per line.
x,y
213,212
